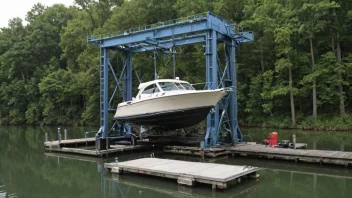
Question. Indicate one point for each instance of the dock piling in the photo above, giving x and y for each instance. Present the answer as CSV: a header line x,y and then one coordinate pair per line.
x,y
59,137
46,137
58,133
65,134
294,141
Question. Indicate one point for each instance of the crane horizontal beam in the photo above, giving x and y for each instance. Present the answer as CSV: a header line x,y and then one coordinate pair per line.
x,y
191,25
178,41
165,44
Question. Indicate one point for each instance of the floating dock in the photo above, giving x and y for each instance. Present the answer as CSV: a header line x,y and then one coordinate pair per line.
x,y
71,142
86,146
187,173
306,155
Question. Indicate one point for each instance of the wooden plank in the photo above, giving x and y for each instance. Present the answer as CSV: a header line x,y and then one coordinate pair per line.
x,y
207,152
195,148
70,141
121,148
75,150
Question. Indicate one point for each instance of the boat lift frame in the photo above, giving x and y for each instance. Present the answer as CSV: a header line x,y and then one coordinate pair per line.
x,y
206,28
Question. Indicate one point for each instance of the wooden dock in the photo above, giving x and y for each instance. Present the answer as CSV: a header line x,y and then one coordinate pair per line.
x,y
86,146
203,152
306,155
92,151
187,173
71,142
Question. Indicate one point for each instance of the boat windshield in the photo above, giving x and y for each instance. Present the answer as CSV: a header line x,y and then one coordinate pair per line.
x,y
171,86
151,89
187,86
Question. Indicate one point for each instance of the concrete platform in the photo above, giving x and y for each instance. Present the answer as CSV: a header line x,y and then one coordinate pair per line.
x,y
186,173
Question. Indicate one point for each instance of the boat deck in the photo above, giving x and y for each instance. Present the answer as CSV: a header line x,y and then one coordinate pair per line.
x,y
186,173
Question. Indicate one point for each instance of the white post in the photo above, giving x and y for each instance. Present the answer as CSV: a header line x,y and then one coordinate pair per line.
x,y
58,133
294,141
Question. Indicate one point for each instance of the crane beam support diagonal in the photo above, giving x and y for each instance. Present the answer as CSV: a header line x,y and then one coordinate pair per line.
x,y
206,28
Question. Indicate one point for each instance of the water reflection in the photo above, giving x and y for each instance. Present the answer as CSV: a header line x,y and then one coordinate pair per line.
x,y
277,179
136,186
4,194
25,171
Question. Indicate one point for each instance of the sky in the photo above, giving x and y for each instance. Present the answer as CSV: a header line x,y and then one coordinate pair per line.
x,y
19,8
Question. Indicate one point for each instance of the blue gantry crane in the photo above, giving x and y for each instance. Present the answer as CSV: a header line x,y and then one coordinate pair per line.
x,y
206,28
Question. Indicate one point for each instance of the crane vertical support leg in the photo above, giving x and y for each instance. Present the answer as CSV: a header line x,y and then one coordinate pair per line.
x,y
174,61
128,77
214,135
212,80
104,83
127,90
208,80
236,132
154,57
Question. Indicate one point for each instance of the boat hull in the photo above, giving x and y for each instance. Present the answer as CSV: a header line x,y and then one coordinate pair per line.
x,y
170,119
170,111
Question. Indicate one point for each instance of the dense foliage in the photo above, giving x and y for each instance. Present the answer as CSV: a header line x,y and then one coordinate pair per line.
x,y
296,73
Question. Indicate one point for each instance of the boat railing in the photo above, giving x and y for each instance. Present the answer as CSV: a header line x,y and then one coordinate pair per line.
x,y
203,83
228,89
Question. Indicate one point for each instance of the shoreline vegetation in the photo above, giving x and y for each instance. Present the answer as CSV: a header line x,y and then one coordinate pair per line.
x,y
297,72
303,128
336,123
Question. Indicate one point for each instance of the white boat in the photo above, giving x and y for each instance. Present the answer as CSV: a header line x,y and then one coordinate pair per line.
x,y
168,103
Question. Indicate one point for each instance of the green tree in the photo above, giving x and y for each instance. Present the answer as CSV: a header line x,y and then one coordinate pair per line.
x,y
314,19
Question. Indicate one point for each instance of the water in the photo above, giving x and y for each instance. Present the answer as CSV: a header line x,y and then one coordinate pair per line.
x,y
25,171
